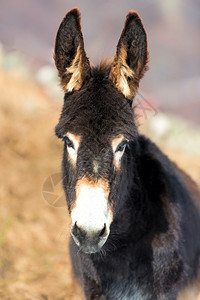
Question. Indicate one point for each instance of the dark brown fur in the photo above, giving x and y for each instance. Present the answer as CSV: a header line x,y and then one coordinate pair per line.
x,y
68,39
131,55
153,249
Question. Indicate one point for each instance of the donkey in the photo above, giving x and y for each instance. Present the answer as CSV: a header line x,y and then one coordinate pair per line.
x,y
135,219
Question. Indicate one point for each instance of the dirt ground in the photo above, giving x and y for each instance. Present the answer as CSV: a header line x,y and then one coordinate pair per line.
x,y
34,260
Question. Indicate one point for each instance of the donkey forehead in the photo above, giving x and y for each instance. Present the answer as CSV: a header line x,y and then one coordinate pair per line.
x,y
98,113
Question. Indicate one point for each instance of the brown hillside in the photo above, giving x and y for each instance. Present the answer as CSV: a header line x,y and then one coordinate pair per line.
x,y
34,260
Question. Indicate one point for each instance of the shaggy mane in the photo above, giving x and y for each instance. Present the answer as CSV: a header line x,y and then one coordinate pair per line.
x,y
101,70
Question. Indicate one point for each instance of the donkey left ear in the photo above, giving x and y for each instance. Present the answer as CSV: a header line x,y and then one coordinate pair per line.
x,y
130,61
70,57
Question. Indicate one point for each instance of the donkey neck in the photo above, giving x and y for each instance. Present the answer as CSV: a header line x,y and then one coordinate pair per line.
x,y
132,219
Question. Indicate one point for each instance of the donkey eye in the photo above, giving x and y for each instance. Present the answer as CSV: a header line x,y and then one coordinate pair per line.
x,y
68,141
121,146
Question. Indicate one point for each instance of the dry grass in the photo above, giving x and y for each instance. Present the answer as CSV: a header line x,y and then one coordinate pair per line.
x,y
34,260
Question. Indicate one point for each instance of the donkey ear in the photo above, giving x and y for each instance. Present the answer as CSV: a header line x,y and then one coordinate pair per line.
x,y
130,61
70,57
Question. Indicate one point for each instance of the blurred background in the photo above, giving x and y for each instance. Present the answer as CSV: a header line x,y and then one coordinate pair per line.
x,y
34,261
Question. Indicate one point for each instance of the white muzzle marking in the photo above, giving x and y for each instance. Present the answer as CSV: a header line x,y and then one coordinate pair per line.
x,y
91,209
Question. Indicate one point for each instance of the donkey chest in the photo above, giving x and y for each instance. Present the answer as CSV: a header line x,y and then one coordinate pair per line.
x,y
127,292
124,279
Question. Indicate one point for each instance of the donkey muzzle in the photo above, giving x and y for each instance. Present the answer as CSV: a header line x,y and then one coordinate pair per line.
x,y
89,241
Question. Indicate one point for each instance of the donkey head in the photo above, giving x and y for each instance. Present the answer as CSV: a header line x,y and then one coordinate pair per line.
x,y
97,126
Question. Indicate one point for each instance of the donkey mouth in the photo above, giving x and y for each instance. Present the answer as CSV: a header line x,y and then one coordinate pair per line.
x,y
90,245
89,249
90,240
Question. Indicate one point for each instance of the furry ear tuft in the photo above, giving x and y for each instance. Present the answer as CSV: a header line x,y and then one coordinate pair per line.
x,y
130,61
70,57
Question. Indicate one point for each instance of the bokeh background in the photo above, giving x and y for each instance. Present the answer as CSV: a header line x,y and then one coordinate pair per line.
x,y
34,260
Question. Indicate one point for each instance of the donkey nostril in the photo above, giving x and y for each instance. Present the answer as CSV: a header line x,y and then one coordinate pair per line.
x,y
75,229
103,231
77,232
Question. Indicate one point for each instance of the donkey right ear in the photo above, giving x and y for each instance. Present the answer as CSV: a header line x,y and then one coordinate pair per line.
x,y
130,61
70,57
